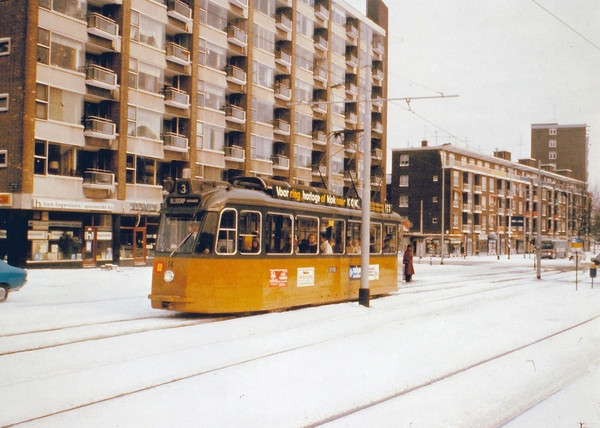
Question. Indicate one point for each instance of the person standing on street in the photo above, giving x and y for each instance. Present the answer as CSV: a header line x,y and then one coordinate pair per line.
x,y
407,260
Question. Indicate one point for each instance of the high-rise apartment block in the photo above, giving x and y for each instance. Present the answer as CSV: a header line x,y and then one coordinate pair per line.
x,y
561,148
103,101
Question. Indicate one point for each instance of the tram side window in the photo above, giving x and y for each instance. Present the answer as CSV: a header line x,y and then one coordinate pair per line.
x,y
375,243
353,238
307,231
249,226
390,235
334,234
278,233
226,240
206,241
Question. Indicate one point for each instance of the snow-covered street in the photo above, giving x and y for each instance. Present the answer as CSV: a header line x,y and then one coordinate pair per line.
x,y
476,342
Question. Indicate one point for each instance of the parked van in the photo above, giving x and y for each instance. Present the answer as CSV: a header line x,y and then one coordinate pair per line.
x,y
555,248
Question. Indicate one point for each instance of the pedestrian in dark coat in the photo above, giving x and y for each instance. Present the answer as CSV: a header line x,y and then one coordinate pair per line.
x,y
409,269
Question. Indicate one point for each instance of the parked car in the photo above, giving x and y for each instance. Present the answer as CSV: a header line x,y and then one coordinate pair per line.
x,y
596,259
11,279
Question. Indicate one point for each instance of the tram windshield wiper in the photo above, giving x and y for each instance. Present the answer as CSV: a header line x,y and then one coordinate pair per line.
x,y
181,244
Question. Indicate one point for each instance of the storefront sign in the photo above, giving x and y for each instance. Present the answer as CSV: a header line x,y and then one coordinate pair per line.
x,y
72,205
3,234
103,236
47,224
144,206
34,235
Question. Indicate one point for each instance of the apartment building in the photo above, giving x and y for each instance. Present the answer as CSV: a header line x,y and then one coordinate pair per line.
x,y
104,101
561,148
478,204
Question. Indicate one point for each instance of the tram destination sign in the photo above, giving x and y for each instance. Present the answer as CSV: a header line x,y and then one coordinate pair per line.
x,y
315,198
183,201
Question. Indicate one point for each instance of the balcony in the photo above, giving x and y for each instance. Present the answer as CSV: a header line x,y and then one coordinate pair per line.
x,y
321,42
98,127
376,153
98,179
319,137
100,77
319,106
237,36
281,127
351,59
101,26
235,75
283,92
235,153
235,114
281,162
319,170
321,11
352,31
177,98
351,117
175,142
378,74
377,47
177,54
320,73
179,10
240,3
283,22
97,183
351,88
283,58
377,127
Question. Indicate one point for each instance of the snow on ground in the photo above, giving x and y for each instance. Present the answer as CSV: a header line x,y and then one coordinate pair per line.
x,y
307,366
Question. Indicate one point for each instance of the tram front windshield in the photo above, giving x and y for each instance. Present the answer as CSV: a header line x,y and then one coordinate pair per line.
x,y
184,233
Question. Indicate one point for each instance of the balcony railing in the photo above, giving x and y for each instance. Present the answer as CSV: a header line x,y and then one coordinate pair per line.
x,y
281,126
320,42
176,98
377,74
98,179
175,142
319,169
237,36
100,77
235,74
351,88
320,73
319,137
98,127
281,162
283,22
240,3
351,117
283,92
319,106
234,153
352,31
283,58
101,26
351,59
179,10
235,114
321,11
177,54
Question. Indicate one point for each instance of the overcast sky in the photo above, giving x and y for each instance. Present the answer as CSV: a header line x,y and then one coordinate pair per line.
x,y
511,63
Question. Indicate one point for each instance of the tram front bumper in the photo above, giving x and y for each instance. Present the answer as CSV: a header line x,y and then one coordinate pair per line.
x,y
169,302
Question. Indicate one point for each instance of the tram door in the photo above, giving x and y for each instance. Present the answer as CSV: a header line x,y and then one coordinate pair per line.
x,y
139,248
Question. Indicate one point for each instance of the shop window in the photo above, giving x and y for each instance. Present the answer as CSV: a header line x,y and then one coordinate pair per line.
x,y
54,159
3,102
5,46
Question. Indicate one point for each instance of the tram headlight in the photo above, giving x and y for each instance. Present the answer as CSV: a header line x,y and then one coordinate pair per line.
x,y
168,275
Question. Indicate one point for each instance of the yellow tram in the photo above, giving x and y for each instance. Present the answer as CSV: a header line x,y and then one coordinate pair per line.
x,y
260,245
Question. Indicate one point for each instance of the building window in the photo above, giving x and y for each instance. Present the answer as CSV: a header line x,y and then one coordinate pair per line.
x,y
5,46
214,97
214,138
3,102
552,131
435,199
552,143
54,159
261,148
404,181
552,155
3,158
434,220
404,160
140,170
435,178
143,123
403,201
455,179
262,111
59,105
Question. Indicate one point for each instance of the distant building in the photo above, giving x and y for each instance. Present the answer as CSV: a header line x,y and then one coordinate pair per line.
x,y
561,148
481,204
104,101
